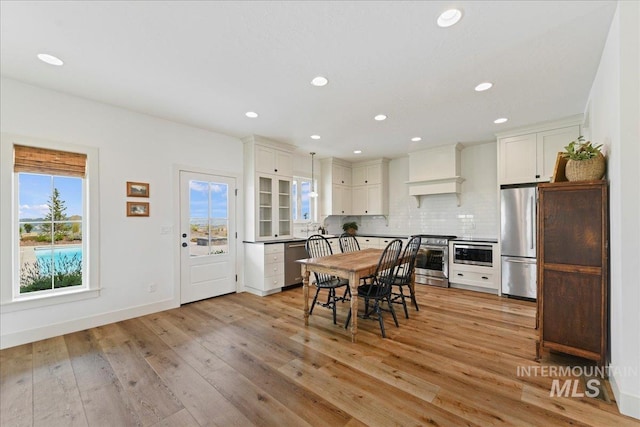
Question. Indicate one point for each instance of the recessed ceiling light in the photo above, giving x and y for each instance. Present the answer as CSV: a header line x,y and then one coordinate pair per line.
x,y
251,114
315,136
380,117
319,81
483,86
449,17
416,139
357,151
50,59
500,120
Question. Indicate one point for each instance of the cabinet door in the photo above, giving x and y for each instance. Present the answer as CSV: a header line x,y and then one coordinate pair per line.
x,y
341,200
358,175
374,200
265,159
265,207
549,143
517,159
272,161
284,163
359,200
284,208
374,174
367,174
340,175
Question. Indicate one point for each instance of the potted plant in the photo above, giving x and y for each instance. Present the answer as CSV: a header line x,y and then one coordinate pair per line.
x,y
585,161
350,227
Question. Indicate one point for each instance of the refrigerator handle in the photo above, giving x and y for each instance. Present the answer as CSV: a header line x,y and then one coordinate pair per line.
x,y
520,260
532,226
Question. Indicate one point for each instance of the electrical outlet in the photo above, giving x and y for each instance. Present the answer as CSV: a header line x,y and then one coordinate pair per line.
x,y
153,287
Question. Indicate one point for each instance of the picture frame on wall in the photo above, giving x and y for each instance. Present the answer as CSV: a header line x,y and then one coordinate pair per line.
x,y
137,189
137,208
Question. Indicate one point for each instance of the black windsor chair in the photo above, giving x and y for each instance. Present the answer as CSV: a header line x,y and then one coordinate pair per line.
x,y
318,246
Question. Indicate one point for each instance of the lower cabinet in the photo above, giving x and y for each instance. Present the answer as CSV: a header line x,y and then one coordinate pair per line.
x,y
264,268
482,278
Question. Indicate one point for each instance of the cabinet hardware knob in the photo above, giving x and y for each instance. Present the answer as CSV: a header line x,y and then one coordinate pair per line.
x,y
365,181
276,170
460,274
485,277
537,176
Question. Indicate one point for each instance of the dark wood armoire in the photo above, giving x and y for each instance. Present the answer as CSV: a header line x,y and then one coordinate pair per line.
x,y
573,268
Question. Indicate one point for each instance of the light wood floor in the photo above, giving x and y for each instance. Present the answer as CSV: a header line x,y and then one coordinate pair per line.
x,y
242,360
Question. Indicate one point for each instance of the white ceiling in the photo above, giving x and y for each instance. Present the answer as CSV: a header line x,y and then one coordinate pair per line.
x,y
206,63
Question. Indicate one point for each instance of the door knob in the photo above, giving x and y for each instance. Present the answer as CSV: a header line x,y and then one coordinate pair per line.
x,y
184,235
184,245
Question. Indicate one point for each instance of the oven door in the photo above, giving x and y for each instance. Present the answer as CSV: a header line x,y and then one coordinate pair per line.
x,y
432,261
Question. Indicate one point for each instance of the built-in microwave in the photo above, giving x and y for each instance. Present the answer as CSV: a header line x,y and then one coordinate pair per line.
x,y
472,253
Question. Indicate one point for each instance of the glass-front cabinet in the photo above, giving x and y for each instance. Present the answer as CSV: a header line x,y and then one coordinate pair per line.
x,y
268,178
274,209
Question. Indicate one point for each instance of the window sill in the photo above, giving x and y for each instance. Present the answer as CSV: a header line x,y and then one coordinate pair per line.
x,y
27,303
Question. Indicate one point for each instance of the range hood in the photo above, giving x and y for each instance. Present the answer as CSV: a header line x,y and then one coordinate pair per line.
x,y
435,171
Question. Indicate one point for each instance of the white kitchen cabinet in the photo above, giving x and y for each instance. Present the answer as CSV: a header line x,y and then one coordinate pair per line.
x,y
482,278
367,173
267,194
264,268
530,155
274,207
370,191
335,194
273,161
368,242
340,174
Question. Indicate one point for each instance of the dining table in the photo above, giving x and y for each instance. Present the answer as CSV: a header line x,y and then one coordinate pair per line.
x,y
350,265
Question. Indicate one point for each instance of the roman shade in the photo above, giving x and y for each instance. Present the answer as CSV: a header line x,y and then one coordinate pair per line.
x,y
45,161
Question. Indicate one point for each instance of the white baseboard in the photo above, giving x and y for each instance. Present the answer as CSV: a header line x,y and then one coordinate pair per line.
x,y
628,404
261,293
49,331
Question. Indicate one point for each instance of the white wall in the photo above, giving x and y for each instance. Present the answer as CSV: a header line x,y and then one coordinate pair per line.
x,y
477,215
614,119
133,252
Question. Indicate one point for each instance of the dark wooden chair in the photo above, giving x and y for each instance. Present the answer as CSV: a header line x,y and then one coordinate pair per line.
x,y
378,287
405,275
348,243
318,246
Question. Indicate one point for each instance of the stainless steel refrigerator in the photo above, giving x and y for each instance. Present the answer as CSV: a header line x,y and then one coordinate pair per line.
x,y
518,241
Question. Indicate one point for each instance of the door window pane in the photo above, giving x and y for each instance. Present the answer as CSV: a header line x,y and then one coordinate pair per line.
x,y
208,218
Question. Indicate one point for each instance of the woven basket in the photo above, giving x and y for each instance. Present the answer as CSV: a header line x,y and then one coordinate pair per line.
x,y
585,170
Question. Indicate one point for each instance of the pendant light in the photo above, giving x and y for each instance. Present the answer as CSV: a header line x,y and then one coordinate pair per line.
x,y
313,193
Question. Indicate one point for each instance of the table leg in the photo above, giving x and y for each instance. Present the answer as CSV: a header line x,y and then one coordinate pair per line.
x,y
305,293
354,279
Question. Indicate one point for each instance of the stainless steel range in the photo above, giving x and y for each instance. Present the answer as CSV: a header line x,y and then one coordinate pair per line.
x,y
432,262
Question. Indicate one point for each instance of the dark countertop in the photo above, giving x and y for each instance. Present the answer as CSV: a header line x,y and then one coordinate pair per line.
x,y
271,242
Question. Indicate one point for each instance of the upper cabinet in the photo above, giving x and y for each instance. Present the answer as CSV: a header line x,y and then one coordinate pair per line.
x,y
370,188
367,173
335,196
273,161
268,174
529,155
354,188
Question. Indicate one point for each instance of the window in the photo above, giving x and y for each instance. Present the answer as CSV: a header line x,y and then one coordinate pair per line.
x,y
49,219
303,206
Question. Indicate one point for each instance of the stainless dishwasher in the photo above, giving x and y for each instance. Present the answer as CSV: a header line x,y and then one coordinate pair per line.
x,y
292,270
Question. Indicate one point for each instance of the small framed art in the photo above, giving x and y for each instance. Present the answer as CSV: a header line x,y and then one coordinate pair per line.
x,y
137,189
137,208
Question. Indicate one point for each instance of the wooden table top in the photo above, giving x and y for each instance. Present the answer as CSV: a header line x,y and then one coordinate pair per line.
x,y
350,261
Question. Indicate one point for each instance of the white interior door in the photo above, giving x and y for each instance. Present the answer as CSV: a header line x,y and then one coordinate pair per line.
x,y
207,231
